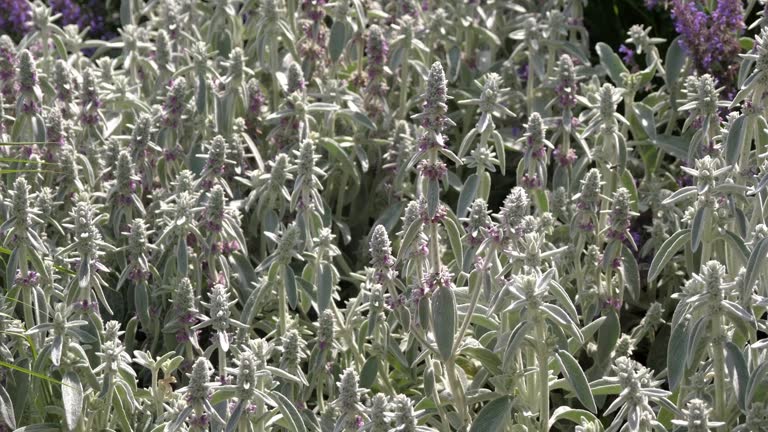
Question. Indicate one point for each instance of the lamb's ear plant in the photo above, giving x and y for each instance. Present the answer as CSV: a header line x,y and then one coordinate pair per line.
x,y
443,216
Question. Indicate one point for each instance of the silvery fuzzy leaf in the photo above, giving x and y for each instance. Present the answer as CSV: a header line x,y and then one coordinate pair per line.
x,y
56,350
325,287
72,398
575,376
493,415
6,409
444,320
289,411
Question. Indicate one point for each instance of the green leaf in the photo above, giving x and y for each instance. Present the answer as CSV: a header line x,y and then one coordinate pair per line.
x,y
755,263
409,237
605,389
665,253
444,320
126,12
38,125
486,357
182,256
746,43
289,279
628,181
757,379
677,146
390,216
454,62
735,140
454,238
571,414
575,376
467,195
540,198
325,288
362,119
647,121
337,41
289,411
369,371
141,299
84,273
687,192
515,342
72,398
674,62
6,409
498,144
695,338
612,63
738,371
676,355
433,197
493,416
737,244
631,271
607,336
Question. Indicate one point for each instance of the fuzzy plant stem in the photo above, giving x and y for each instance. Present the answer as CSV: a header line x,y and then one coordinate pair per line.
x,y
283,313
450,365
158,398
529,85
542,358
404,83
105,420
457,391
222,364
274,67
718,363
29,315
468,317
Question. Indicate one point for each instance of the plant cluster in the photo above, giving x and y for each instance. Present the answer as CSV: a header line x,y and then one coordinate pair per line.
x,y
384,216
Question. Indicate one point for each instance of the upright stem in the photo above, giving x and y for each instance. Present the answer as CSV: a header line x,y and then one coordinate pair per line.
x,y
291,9
105,421
281,307
342,192
456,390
260,408
274,65
222,364
29,314
404,83
468,317
718,361
529,84
158,400
542,358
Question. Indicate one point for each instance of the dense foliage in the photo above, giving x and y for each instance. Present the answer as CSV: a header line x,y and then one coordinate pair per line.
x,y
284,215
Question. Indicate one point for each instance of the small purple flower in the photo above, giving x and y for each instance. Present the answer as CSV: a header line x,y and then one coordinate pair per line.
x,y
628,55
29,281
566,159
612,303
531,181
522,72
199,421
433,170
